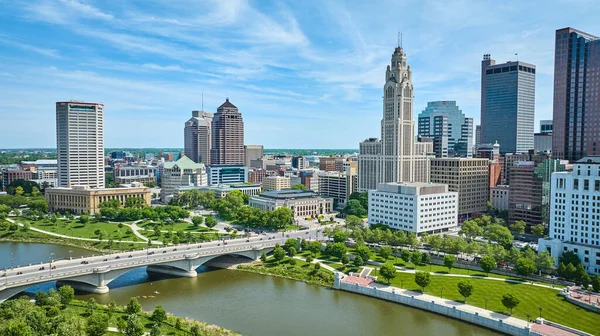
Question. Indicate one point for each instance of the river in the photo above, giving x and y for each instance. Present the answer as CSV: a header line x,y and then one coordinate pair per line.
x,y
254,304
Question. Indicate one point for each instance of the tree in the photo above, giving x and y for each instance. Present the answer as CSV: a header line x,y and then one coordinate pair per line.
x,y
84,219
596,283
339,236
425,258
570,272
278,253
385,252
518,227
309,259
291,252
121,325
562,270
364,252
155,331
210,222
317,267
97,324
197,220
362,197
465,288
299,186
358,261
449,261
354,207
345,259
339,250
569,257
112,307
38,321
159,315
510,301
580,273
405,255
538,230
422,279
544,261
133,307
525,266
35,192
71,326
498,233
19,191
314,246
66,293
470,229
263,257
292,242
435,242
586,280
195,330
415,257
388,271
353,222
91,306
487,264
134,327
178,324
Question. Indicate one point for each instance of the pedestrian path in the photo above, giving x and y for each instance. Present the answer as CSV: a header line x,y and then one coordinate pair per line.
x,y
135,229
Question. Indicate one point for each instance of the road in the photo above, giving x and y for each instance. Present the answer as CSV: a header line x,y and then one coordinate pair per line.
x,y
149,256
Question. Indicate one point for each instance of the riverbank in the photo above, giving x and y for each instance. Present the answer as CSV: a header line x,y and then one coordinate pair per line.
x,y
299,271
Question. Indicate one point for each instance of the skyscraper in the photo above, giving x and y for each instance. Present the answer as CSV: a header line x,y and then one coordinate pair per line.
x,y
477,135
451,132
227,136
253,152
576,115
198,137
394,157
507,104
80,144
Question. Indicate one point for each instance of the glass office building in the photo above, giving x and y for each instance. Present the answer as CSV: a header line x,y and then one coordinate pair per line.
x,y
507,105
451,132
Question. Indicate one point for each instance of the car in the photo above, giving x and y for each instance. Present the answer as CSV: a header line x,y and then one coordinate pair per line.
x,y
117,257
53,267
199,246
224,243
247,240
105,260
3,275
219,244
130,256
19,273
164,251
151,253
84,262
41,269
261,238
174,249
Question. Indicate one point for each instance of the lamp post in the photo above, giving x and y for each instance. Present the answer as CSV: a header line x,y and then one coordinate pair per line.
x,y
442,292
51,256
486,301
70,256
540,308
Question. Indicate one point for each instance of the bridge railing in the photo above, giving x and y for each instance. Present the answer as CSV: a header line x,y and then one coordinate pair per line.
x,y
57,274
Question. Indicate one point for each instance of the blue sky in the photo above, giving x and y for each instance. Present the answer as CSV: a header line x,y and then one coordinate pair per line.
x,y
304,74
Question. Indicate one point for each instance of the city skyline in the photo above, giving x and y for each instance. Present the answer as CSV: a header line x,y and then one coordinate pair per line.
x,y
284,74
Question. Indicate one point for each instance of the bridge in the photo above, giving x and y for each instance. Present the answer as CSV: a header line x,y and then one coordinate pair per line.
x,y
93,274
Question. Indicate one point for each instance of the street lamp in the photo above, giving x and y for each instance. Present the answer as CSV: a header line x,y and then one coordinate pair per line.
x,y
442,292
540,308
51,256
486,300
70,257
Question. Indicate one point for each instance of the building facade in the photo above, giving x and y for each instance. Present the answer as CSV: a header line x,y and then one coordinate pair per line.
x,y
299,162
337,185
227,174
198,137
257,175
183,172
467,177
124,173
276,183
451,132
477,135
10,175
303,204
507,104
576,130
395,157
252,152
83,199
220,191
80,144
227,136
499,196
414,207
574,219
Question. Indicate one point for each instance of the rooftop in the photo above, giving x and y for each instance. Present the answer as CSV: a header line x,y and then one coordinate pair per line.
x,y
41,162
183,163
227,104
590,159
286,194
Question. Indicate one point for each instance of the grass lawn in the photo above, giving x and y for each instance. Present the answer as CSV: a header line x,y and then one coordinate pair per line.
x,y
302,271
76,229
555,308
343,268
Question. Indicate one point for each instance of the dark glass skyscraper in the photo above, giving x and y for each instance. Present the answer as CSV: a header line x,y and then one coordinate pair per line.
x,y
576,120
507,104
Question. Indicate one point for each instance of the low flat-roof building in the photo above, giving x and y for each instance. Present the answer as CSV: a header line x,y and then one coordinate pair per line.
x,y
499,196
223,189
276,183
303,203
83,199
414,206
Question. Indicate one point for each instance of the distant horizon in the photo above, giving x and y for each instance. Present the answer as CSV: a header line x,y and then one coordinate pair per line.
x,y
177,148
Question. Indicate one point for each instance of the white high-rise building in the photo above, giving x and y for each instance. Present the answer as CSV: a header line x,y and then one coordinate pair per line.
x,y
197,137
80,144
393,158
574,216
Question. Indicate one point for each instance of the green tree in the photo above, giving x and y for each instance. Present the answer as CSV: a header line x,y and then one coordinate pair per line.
x,y
364,252
309,259
596,283
544,261
195,330
569,257
518,227
178,325
470,229
510,301
112,308
525,266
586,280
121,325
299,186
339,250
278,253
263,257
388,271
561,270
159,315
415,257
35,192
66,293
345,259
84,219
71,326
155,331
465,288
449,261
339,236
19,191
91,306
133,307
317,267
358,261
354,207
570,272
422,279
37,321
353,222
435,242
498,233
197,220
210,222
425,258
314,246
134,327
538,230
292,242
385,252
97,324
291,252
487,264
